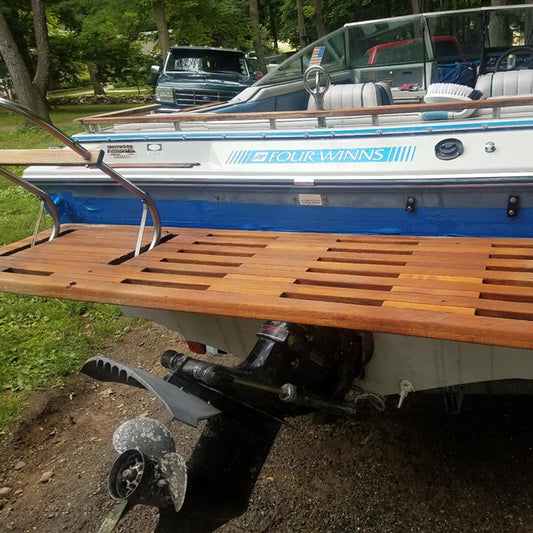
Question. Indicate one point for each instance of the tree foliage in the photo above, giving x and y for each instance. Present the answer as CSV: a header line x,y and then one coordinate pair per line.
x,y
103,36
116,42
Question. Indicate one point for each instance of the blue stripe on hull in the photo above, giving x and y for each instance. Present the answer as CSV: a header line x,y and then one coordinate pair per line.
x,y
460,221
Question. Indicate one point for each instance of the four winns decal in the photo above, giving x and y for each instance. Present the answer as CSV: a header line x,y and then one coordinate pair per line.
x,y
349,155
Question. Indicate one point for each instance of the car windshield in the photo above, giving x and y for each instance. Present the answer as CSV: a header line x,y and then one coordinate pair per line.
x,y
206,61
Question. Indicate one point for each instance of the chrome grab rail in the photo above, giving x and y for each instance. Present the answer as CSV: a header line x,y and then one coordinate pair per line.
x,y
45,199
85,154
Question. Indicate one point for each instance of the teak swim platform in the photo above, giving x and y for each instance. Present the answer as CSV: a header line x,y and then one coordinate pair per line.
x,y
476,290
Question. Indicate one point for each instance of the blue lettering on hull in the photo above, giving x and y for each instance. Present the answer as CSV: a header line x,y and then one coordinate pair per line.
x,y
385,154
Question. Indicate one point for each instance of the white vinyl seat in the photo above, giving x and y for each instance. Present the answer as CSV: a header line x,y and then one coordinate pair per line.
x,y
351,95
506,83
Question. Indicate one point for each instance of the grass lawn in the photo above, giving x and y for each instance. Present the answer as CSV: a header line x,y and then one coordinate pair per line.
x,y
14,134
42,340
121,91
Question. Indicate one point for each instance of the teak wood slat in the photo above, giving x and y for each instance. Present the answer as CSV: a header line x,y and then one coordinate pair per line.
x,y
476,290
329,113
44,156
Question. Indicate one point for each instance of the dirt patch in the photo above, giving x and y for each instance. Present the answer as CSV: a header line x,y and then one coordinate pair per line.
x,y
414,469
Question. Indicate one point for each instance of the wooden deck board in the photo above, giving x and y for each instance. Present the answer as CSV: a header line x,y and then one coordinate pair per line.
x,y
464,289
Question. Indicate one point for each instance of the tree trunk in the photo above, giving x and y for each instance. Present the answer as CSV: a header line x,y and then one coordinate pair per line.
x,y
28,94
256,34
44,59
98,88
162,27
416,6
500,33
302,32
273,25
421,6
321,29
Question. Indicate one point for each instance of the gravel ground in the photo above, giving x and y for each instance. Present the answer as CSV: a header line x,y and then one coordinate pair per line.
x,y
414,469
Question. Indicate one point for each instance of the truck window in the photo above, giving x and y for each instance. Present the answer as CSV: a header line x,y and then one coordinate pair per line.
x,y
206,61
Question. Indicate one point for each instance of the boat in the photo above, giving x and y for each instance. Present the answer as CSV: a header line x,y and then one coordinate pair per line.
x,y
357,226
265,162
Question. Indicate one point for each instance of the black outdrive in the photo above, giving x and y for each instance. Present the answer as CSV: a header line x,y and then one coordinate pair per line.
x,y
291,370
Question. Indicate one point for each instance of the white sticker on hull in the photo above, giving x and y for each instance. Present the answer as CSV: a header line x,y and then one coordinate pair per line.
x,y
310,199
385,154
154,148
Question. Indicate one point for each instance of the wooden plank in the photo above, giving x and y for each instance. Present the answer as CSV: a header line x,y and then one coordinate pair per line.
x,y
50,156
329,113
470,296
122,113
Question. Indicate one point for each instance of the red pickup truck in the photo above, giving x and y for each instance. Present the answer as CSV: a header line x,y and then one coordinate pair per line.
x,y
447,48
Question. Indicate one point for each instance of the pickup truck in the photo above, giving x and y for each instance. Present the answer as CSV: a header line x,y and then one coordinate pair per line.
x,y
195,75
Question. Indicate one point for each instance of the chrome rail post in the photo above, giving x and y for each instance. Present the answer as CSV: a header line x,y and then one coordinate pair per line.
x,y
37,224
139,193
141,231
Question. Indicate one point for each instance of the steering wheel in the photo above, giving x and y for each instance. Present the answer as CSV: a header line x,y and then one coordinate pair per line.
x,y
512,51
322,82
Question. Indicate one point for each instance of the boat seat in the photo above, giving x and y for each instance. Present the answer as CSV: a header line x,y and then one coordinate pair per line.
x,y
352,95
506,83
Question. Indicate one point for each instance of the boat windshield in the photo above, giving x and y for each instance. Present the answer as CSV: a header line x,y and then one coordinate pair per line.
x,y
387,42
334,58
380,50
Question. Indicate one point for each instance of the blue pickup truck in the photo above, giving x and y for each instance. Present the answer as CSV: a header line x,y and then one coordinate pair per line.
x,y
195,75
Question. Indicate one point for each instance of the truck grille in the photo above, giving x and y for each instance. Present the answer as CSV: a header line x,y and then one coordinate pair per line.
x,y
193,97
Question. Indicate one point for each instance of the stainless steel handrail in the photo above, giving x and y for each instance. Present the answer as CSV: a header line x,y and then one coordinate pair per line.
x,y
85,154
40,194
